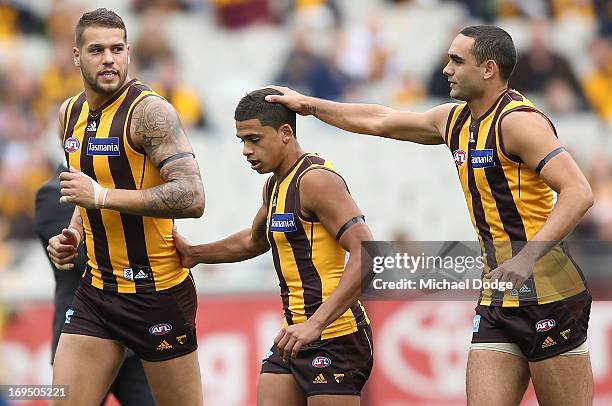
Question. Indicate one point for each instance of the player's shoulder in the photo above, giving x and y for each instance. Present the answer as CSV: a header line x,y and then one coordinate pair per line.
x,y
524,121
151,110
318,178
62,110
442,113
152,101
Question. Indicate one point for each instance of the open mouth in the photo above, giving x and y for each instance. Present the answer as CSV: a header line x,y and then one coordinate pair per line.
x,y
255,164
109,74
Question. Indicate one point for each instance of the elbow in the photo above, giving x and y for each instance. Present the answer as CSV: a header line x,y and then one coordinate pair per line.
x,y
197,209
583,197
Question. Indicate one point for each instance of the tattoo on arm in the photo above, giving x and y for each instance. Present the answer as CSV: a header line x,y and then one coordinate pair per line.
x,y
175,195
157,129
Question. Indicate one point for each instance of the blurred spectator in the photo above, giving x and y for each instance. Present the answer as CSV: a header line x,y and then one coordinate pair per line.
x,y
438,86
59,80
315,14
562,8
233,14
603,10
60,23
541,70
598,83
152,44
16,19
409,91
598,220
314,75
140,6
23,166
184,99
484,10
363,52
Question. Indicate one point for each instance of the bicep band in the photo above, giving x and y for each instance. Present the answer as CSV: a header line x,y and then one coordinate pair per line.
x,y
547,158
349,224
174,158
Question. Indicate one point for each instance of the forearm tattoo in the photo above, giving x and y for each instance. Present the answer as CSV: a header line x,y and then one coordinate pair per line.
x,y
175,196
157,128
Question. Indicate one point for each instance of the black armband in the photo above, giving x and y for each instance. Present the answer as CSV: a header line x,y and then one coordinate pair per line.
x,y
174,158
547,158
349,224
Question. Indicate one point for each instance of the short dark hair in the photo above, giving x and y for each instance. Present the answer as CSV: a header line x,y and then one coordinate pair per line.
x,y
254,105
101,17
491,42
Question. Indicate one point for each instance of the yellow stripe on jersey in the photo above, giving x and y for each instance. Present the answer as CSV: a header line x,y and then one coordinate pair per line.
x,y
508,202
126,253
308,260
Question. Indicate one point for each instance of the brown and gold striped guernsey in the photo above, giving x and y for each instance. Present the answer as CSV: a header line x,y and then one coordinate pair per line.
x,y
309,262
508,203
126,253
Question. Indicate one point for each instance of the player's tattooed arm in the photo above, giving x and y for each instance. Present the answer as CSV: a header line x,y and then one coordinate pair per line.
x,y
156,128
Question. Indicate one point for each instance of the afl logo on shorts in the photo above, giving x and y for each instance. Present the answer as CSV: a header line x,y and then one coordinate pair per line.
x,y
321,362
72,145
459,156
160,329
545,325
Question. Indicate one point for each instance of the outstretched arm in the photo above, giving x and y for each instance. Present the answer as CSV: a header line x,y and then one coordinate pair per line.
x,y
371,119
240,246
324,194
156,128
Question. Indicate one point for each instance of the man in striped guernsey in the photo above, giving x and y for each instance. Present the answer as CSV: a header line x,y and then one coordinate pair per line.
x,y
509,162
323,353
132,170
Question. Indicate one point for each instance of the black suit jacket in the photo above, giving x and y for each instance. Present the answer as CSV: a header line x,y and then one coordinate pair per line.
x,y
50,218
